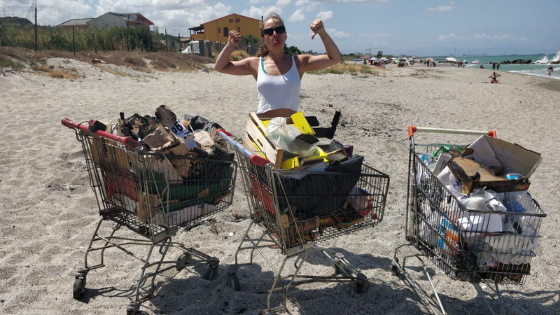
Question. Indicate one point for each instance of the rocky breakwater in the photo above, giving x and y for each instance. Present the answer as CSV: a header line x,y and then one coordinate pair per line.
x,y
517,61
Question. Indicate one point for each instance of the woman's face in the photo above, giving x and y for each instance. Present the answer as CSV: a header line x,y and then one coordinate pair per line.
x,y
275,41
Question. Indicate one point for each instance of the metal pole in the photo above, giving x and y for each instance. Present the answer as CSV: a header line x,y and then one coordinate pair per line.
x,y
166,47
35,27
94,42
128,34
74,41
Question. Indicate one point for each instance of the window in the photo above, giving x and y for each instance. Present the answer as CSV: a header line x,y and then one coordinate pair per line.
x,y
226,31
219,30
231,20
237,20
239,29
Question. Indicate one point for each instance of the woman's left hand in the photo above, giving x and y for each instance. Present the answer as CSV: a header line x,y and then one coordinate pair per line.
x,y
317,27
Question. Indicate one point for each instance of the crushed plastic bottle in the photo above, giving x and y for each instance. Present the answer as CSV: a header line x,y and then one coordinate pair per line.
x,y
426,159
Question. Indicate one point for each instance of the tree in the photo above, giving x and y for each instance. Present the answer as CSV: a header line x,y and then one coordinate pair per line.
x,y
292,50
250,39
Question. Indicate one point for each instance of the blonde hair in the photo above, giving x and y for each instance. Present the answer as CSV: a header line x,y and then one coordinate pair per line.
x,y
263,50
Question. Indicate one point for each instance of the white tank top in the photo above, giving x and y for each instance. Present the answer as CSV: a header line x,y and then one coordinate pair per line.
x,y
278,91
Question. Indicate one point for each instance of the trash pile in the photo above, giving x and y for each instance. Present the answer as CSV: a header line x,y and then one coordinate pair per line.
x,y
181,172
318,186
495,226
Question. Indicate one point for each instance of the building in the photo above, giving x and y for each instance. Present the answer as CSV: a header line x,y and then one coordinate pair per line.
x,y
109,20
112,19
218,30
75,23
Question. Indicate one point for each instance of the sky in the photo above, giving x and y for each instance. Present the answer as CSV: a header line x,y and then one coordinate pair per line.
x,y
410,27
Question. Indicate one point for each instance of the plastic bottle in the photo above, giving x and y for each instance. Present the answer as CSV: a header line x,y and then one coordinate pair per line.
x,y
425,158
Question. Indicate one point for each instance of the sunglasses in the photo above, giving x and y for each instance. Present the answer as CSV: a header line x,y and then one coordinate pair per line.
x,y
270,31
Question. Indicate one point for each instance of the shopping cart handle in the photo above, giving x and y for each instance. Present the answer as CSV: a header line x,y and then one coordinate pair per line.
x,y
129,142
255,159
413,129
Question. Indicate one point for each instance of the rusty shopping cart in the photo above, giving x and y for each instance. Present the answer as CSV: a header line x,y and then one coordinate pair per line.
x,y
466,241
153,195
297,209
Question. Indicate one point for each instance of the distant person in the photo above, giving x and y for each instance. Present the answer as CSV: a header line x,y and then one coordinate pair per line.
x,y
494,78
549,70
493,66
481,67
497,66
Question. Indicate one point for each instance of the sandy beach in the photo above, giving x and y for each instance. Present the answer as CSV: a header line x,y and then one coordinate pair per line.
x,y
49,211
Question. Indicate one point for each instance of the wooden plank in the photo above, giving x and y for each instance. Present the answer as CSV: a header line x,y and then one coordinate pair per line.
x,y
279,152
256,136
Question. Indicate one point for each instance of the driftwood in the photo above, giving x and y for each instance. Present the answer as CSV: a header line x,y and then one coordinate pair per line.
x,y
4,71
95,60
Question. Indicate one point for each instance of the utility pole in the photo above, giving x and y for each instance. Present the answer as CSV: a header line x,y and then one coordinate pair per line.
x,y
128,34
369,50
35,26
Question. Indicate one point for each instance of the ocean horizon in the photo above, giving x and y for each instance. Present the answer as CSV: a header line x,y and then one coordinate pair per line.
x,y
537,67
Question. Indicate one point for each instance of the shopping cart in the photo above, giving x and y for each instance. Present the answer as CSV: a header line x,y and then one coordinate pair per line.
x,y
465,243
153,195
297,209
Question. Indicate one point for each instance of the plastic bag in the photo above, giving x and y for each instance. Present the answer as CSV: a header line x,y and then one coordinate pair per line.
x,y
284,136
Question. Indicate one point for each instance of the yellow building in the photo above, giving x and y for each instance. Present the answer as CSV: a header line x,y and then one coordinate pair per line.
x,y
218,29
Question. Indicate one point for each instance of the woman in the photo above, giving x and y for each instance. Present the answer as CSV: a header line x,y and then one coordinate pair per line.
x,y
278,75
494,76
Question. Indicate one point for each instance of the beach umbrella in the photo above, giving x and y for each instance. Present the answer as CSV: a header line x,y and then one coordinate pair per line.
x,y
372,58
450,59
475,62
430,59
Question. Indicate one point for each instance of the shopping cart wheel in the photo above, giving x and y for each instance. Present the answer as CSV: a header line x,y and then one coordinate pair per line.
x,y
362,283
211,272
183,261
395,269
79,288
131,310
233,282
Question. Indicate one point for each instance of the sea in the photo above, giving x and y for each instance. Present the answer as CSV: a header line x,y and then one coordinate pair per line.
x,y
538,66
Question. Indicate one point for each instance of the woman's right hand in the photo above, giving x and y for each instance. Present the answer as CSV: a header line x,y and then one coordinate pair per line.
x,y
235,38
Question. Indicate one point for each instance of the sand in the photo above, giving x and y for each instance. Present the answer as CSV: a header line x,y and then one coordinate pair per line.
x,y
49,211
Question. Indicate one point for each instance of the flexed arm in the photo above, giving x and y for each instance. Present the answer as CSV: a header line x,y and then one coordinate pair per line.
x,y
333,55
223,63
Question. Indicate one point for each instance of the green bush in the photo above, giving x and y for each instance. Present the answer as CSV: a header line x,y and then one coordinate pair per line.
x,y
105,39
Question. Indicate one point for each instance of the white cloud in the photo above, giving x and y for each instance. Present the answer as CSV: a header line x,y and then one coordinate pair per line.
x,y
297,16
305,2
504,37
377,40
283,3
258,1
256,13
443,38
338,34
325,15
443,8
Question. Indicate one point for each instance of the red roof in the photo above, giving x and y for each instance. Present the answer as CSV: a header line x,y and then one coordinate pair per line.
x,y
231,15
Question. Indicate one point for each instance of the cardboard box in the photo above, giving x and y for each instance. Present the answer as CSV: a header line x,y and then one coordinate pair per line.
x,y
486,161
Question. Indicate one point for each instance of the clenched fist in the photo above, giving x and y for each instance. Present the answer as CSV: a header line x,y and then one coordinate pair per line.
x,y
235,38
317,27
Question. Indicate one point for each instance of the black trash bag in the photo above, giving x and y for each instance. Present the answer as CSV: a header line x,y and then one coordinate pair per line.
x,y
200,123
320,193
